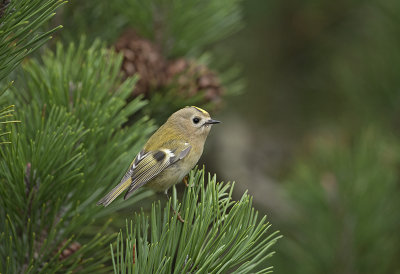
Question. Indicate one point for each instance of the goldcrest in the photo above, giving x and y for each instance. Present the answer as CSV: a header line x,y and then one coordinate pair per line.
x,y
170,153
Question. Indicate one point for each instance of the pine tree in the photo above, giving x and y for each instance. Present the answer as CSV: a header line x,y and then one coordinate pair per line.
x,y
19,37
19,22
80,125
66,150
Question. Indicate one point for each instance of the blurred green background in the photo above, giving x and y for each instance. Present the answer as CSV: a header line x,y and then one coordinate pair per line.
x,y
314,137
314,70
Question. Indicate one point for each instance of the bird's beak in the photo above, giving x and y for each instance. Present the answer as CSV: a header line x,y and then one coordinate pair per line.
x,y
212,121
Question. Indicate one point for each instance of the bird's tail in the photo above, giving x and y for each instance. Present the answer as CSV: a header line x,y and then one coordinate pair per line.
x,y
115,192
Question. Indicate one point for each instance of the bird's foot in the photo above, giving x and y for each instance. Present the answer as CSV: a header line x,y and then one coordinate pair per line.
x,y
185,181
176,213
179,217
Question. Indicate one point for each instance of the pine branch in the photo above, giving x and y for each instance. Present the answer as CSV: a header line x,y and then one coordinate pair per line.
x,y
68,149
183,27
219,235
88,84
6,115
180,28
19,22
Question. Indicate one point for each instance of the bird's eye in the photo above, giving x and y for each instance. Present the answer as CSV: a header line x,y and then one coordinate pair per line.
x,y
196,120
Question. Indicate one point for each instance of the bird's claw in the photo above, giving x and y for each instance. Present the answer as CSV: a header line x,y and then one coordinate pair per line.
x,y
185,181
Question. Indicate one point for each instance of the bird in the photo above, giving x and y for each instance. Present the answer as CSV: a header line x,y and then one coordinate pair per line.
x,y
168,156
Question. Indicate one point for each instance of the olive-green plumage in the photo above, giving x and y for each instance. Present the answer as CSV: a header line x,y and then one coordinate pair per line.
x,y
170,153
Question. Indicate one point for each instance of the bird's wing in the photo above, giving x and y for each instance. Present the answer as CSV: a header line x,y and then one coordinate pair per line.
x,y
148,165
125,181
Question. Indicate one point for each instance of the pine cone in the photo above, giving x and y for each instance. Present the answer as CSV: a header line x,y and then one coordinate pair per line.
x,y
192,78
142,57
157,74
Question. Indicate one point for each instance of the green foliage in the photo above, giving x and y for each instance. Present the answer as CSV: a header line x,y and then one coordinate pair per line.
x,y
67,152
18,30
5,129
97,20
346,204
178,27
39,214
186,26
19,36
88,84
219,235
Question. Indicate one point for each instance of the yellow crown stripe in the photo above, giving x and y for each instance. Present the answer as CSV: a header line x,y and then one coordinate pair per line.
x,y
200,109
